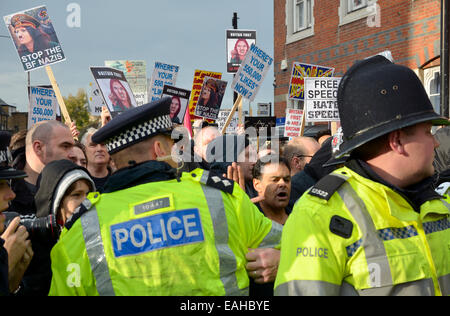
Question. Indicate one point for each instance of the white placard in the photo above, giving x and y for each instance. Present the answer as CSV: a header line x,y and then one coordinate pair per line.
x,y
163,74
293,124
250,75
321,99
42,105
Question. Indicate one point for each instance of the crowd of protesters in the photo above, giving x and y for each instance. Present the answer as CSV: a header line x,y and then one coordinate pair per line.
x,y
46,180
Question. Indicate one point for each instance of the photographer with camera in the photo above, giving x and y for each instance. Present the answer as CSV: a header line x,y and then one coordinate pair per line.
x,y
15,248
62,187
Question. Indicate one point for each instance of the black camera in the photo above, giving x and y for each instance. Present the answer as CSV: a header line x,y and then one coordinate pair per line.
x,y
43,228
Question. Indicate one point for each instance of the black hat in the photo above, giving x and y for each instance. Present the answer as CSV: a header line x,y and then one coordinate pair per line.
x,y
22,20
135,125
376,97
6,171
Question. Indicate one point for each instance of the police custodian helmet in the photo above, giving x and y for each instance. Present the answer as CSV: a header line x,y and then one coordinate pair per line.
x,y
376,97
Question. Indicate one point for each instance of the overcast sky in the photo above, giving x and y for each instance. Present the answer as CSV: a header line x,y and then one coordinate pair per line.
x,y
187,33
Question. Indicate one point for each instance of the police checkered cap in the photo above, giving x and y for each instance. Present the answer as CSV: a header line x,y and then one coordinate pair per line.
x,y
135,125
138,133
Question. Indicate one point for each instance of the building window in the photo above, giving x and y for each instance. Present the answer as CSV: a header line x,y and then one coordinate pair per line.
x,y
354,10
354,5
432,83
302,15
299,19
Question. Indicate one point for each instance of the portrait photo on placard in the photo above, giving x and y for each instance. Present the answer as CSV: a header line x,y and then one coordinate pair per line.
x,y
34,38
210,99
115,89
238,44
180,100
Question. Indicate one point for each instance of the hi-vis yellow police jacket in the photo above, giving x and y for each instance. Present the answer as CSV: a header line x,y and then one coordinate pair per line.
x,y
162,238
363,239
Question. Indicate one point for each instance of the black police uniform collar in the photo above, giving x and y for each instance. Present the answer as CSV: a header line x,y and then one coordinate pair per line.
x,y
136,174
416,194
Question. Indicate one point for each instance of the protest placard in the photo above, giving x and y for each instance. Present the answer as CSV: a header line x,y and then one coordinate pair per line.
x,y
238,44
211,97
263,124
293,124
180,100
321,99
222,117
95,99
263,109
42,105
199,76
301,71
34,37
250,75
163,74
115,89
136,73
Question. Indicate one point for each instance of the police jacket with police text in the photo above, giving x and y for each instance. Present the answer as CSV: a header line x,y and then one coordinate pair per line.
x,y
351,235
150,233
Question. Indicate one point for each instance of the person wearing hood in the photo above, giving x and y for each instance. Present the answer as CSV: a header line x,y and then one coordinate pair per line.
x,y
228,151
62,187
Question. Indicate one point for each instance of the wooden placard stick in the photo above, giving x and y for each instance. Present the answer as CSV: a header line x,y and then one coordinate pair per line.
x,y
334,127
59,97
240,112
230,116
302,129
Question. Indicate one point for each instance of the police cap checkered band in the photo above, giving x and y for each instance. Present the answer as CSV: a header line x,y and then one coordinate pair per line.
x,y
134,125
138,133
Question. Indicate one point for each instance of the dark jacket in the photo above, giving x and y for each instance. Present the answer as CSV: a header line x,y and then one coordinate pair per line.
x,y
4,281
37,278
137,174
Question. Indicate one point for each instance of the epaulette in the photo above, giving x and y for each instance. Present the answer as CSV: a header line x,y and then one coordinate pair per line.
x,y
326,186
218,181
84,207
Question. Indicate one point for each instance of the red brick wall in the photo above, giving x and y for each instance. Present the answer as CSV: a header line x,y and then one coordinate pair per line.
x,y
410,29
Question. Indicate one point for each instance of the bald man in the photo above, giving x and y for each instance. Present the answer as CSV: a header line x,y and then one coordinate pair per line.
x,y
299,152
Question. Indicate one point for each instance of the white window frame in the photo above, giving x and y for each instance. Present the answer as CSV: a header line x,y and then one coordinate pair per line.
x,y
428,76
294,32
352,7
349,13
306,15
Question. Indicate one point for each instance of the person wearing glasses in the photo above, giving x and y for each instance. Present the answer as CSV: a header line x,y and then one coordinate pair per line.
x,y
299,152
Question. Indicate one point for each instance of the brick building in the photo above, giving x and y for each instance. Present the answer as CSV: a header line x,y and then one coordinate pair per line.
x,y
335,33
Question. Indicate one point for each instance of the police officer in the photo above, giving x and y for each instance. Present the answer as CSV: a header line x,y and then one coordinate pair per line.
x,y
375,226
154,231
